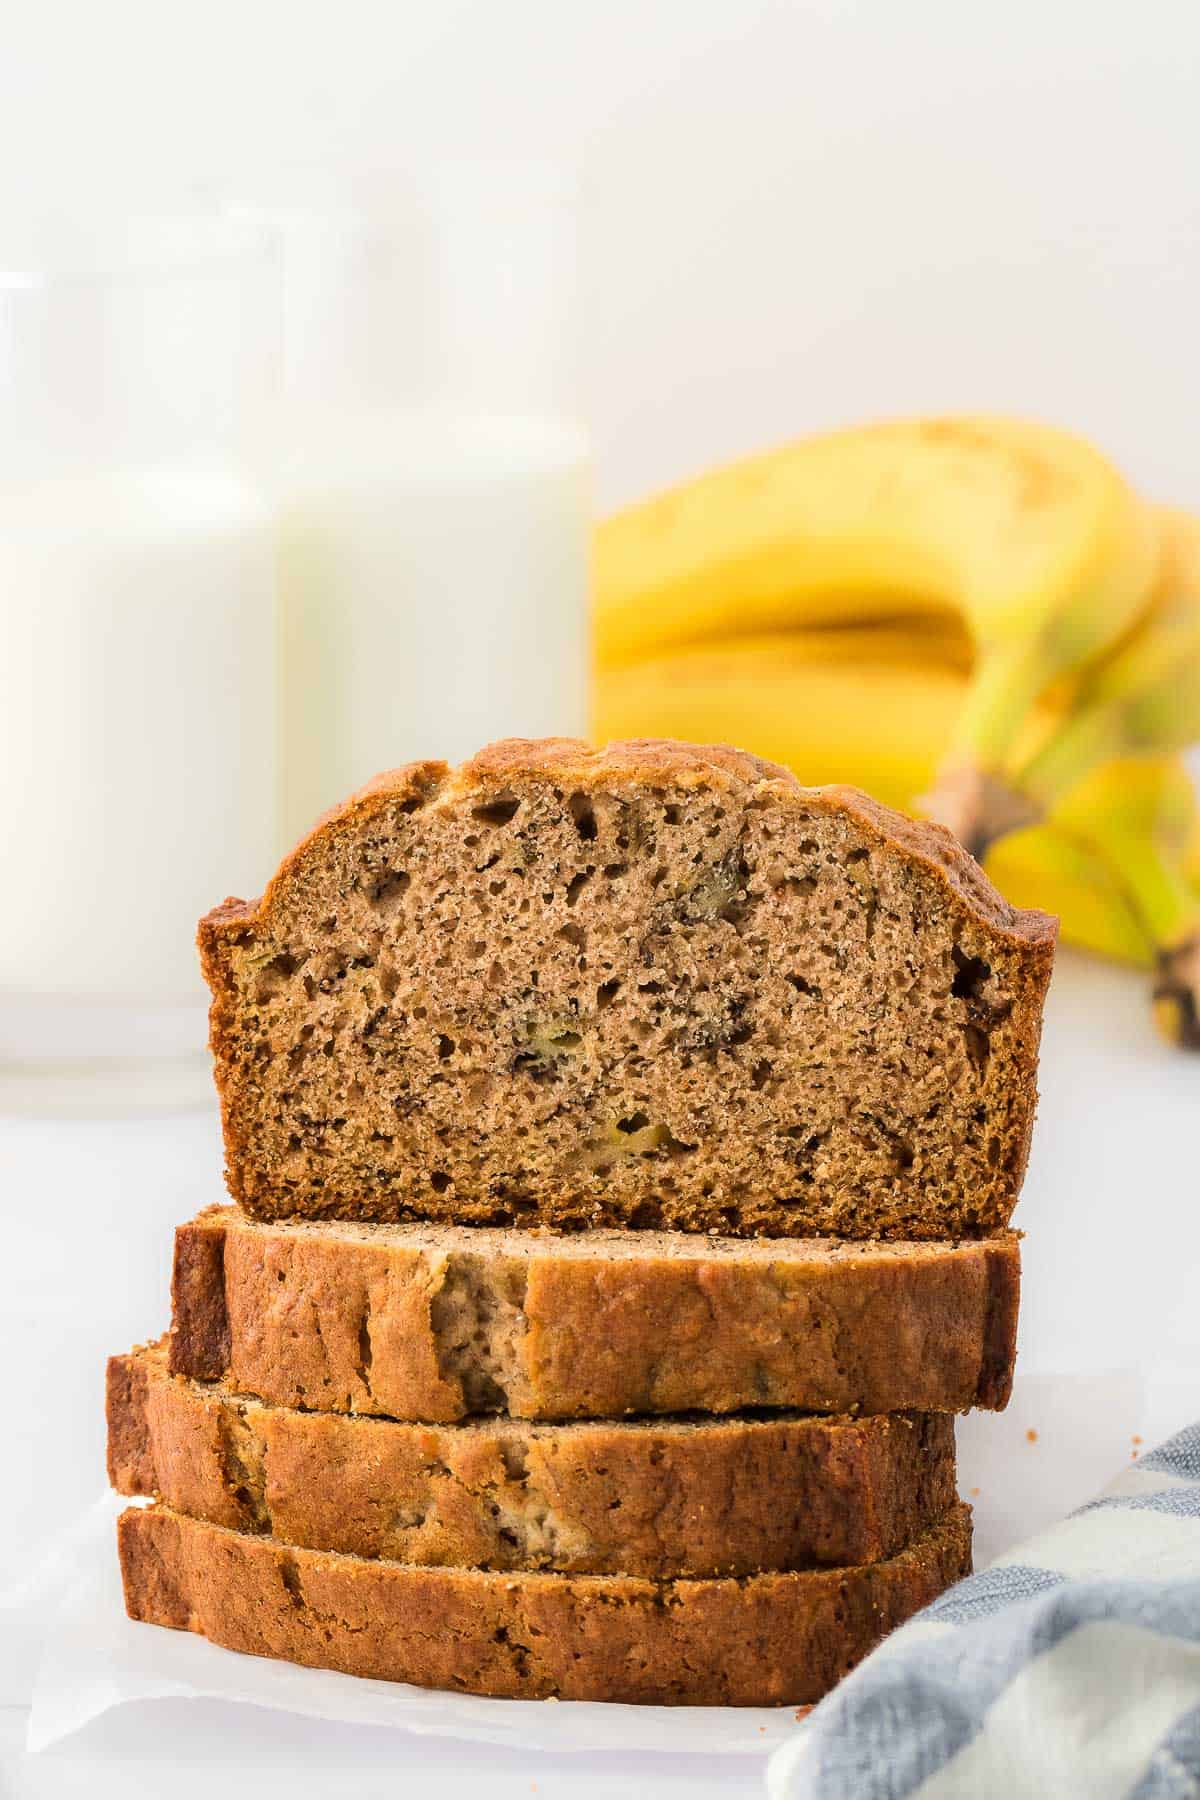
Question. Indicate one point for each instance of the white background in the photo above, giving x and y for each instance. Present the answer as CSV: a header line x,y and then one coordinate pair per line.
x,y
793,214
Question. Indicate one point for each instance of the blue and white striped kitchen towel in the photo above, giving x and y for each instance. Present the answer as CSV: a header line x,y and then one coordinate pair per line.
x,y
1069,1667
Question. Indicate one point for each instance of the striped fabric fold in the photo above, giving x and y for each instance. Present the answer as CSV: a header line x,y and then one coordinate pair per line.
x,y
1069,1667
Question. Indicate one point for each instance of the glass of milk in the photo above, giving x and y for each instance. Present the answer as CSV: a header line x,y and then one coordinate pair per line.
x,y
138,656
432,482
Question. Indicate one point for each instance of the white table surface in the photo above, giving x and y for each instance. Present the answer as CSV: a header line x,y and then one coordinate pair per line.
x,y
1110,1353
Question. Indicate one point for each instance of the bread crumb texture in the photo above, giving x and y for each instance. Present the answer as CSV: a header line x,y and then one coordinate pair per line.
x,y
658,985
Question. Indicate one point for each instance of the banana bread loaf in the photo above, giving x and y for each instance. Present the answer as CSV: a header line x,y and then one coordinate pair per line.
x,y
435,1322
669,1498
654,985
758,1640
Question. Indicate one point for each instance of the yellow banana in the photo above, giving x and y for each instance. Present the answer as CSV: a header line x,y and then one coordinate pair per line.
x,y
858,706
1026,534
1140,815
1043,866
829,705
1145,694
973,600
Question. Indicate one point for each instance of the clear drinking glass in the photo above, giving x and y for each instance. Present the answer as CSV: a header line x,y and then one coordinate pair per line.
x,y
138,656
433,479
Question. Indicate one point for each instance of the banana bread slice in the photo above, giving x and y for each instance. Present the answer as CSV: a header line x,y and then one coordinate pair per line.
x,y
695,1497
435,1322
654,985
757,1640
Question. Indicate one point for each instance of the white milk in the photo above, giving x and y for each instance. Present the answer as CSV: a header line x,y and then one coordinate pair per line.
x,y
434,583
138,728
433,487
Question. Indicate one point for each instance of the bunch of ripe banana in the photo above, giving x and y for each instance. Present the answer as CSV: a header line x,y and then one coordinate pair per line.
x,y
973,618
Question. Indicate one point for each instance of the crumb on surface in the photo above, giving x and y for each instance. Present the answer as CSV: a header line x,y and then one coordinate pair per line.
x,y
1032,1435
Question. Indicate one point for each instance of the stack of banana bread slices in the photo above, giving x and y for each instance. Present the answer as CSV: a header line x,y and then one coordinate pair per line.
x,y
623,1145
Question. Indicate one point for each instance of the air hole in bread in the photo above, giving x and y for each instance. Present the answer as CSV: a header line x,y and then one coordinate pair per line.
x,y
501,810
584,815
971,972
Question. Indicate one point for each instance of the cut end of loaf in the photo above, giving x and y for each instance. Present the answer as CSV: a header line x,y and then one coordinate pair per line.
x,y
651,985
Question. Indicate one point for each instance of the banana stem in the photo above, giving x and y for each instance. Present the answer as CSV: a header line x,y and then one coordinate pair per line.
x,y
977,807
972,795
1177,995
1083,742
1008,681
1168,906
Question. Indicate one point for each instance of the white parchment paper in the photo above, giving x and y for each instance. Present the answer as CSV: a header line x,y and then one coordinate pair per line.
x,y
95,1658
1061,1439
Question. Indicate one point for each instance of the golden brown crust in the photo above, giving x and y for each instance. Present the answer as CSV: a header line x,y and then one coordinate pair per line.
x,y
1003,1287
762,1640
198,1292
435,1323
645,762
131,1452
702,1497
